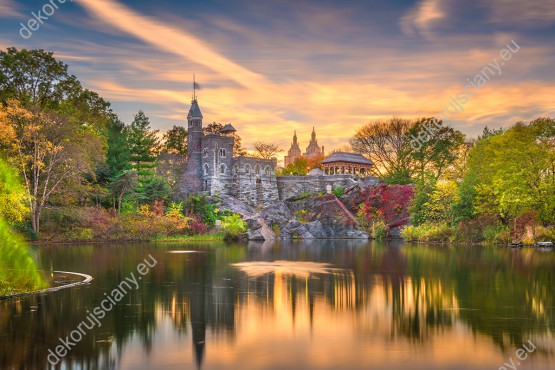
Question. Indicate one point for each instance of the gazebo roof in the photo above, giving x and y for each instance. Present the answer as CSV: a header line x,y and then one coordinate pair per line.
x,y
353,158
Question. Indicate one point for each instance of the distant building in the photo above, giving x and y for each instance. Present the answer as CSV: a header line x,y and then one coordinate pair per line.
x,y
294,152
312,150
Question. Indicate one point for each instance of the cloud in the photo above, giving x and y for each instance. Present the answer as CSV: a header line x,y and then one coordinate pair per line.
x,y
522,12
170,39
421,18
8,9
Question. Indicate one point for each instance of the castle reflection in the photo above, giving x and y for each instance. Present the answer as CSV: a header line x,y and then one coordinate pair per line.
x,y
303,305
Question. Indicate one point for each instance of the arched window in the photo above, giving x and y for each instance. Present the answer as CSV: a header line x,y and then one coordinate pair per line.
x,y
206,169
236,169
267,170
257,170
223,169
205,152
247,169
222,152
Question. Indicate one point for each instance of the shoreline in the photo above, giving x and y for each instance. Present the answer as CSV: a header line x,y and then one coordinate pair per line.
x,y
86,281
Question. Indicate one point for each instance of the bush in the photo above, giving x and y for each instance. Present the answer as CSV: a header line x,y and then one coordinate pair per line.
x,y
233,226
379,230
429,232
338,191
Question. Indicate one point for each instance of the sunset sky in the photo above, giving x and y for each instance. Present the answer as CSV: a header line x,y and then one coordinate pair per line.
x,y
271,67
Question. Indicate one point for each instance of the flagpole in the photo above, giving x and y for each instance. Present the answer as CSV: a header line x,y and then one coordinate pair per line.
x,y
194,88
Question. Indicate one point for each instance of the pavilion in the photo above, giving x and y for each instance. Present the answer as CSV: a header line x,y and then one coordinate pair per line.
x,y
340,163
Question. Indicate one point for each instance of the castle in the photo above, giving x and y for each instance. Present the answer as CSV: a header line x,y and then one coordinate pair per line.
x,y
313,150
212,168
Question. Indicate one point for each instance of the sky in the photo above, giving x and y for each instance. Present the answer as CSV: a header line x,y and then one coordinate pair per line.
x,y
274,66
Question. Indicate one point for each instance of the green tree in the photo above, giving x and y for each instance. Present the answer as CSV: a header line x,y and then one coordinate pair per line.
x,y
512,171
13,197
51,127
144,147
299,167
175,141
437,154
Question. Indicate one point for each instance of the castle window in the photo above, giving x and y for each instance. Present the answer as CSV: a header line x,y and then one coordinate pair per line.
x,y
222,152
206,169
267,170
205,152
257,170
247,169
236,169
223,168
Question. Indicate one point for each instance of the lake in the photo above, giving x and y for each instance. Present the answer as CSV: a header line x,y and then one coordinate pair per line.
x,y
323,304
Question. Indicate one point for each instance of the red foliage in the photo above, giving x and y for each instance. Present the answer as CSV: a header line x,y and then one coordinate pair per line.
x,y
527,219
158,208
196,226
389,202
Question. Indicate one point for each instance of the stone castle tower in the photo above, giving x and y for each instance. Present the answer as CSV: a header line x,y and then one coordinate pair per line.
x,y
212,169
194,148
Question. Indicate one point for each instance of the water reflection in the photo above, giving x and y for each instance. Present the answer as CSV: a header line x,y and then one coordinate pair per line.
x,y
324,304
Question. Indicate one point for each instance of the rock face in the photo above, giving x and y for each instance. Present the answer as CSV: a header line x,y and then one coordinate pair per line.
x,y
312,217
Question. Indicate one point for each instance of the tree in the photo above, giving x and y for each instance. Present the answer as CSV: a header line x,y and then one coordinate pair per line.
x,y
123,184
215,128
386,143
51,127
49,149
144,147
513,171
175,141
35,79
13,197
266,150
298,167
438,153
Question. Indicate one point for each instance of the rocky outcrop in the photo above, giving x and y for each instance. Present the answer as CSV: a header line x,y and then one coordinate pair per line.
x,y
311,217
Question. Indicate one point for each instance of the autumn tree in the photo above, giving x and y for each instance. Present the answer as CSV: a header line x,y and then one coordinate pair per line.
x,y
49,150
385,143
266,150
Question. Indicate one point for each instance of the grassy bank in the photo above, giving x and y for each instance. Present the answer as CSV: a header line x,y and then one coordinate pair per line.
x,y
213,237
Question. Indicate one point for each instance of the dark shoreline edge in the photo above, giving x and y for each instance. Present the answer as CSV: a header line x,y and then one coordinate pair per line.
x,y
86,281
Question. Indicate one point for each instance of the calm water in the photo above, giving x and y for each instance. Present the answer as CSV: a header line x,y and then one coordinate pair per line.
x,y
317,305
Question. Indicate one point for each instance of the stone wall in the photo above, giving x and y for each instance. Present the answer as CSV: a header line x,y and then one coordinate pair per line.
x,y
254,181
291,186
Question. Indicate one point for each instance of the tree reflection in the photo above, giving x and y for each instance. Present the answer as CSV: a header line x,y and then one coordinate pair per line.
x,y
408,293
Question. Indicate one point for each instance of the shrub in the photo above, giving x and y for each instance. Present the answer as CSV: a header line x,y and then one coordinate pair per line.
x,y
233,226
379,230
428,232
338,191
202,207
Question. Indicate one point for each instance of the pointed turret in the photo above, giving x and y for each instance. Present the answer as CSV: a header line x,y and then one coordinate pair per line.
x,y
194,111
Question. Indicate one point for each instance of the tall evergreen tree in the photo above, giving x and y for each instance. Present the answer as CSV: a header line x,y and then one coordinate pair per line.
x,y
144,147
